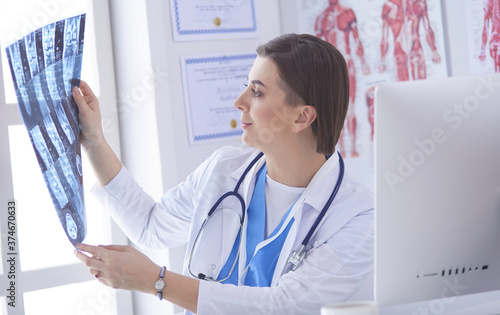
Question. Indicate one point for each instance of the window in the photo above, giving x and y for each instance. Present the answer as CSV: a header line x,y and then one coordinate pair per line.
x,y
88,297
45,266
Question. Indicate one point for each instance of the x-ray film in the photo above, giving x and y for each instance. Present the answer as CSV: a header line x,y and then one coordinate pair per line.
x,y
45,65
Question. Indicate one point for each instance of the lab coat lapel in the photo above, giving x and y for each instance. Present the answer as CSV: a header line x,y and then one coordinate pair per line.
x,y
291,241
246,188
288,246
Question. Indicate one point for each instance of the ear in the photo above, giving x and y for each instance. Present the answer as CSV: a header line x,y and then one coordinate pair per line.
x,y
307,114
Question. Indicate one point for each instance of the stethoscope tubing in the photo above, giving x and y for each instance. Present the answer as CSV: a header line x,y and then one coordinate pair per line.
x,y
235,193
328,203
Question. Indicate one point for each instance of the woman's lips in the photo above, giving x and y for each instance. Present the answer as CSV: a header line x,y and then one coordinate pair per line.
x,y
245,125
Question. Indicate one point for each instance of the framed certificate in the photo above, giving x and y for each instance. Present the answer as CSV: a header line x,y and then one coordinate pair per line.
x,y
211,85
213,19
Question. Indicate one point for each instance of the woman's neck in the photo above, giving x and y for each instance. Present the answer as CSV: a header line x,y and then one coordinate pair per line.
x,y
294,168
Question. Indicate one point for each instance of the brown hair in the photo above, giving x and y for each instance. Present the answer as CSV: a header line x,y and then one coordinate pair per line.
x,y
313,73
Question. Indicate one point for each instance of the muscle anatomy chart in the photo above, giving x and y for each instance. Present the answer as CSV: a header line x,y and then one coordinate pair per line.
x,y
45,65
483,26
405,18
382,41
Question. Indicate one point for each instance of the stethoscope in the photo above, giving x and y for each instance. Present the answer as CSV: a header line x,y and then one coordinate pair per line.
x,y
295,257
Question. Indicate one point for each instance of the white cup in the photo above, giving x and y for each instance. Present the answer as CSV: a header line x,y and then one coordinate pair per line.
x,y
351,308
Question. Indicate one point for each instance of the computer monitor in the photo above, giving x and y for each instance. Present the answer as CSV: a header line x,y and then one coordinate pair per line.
x,y
437,188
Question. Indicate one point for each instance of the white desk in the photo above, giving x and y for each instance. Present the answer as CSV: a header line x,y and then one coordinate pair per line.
x,y
475,304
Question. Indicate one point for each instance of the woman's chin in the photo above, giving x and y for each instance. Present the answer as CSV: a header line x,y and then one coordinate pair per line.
x,y
248,141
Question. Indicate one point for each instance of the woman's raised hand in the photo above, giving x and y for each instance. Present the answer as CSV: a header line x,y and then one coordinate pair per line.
x,y
104,161
90,116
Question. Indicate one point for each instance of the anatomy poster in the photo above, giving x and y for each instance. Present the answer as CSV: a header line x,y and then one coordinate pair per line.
x,y
483,27
382,41
45,65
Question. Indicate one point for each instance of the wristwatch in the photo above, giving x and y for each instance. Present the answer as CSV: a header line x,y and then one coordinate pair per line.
x,y
160,285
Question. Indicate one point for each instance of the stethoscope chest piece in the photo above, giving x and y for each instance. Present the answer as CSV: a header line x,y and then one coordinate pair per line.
x,y
296,257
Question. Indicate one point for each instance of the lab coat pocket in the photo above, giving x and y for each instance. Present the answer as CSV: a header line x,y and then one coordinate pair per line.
x,y
215,241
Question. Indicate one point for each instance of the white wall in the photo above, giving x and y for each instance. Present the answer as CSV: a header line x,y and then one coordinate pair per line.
x,y
456,37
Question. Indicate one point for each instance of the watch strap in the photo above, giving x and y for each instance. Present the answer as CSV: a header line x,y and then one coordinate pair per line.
x,y
162,274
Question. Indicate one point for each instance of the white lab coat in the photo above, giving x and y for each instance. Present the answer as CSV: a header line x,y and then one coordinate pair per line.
x,y
339,255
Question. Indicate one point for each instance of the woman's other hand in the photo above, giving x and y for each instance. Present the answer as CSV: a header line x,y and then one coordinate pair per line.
x,y
124,267
120,267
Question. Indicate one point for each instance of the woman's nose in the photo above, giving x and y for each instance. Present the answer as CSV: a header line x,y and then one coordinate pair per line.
x,y
240,103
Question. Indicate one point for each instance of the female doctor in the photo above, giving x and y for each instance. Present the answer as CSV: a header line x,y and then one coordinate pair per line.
x,y
263,234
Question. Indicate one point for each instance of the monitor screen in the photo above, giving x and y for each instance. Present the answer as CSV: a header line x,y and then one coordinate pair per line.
x,y
437,188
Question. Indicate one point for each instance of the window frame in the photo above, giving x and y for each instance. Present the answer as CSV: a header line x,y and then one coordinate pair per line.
x,y
46,278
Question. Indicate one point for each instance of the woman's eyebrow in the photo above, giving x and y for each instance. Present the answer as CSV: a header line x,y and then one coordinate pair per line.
x,y
257,82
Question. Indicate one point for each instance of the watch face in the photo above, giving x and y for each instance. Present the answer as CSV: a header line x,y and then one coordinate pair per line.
x,y
159,285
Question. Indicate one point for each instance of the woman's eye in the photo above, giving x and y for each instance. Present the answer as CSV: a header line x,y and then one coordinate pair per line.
x,y
256,93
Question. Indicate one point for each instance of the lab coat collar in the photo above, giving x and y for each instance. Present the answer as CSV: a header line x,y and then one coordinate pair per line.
x,y
320,184
316,200
246,188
